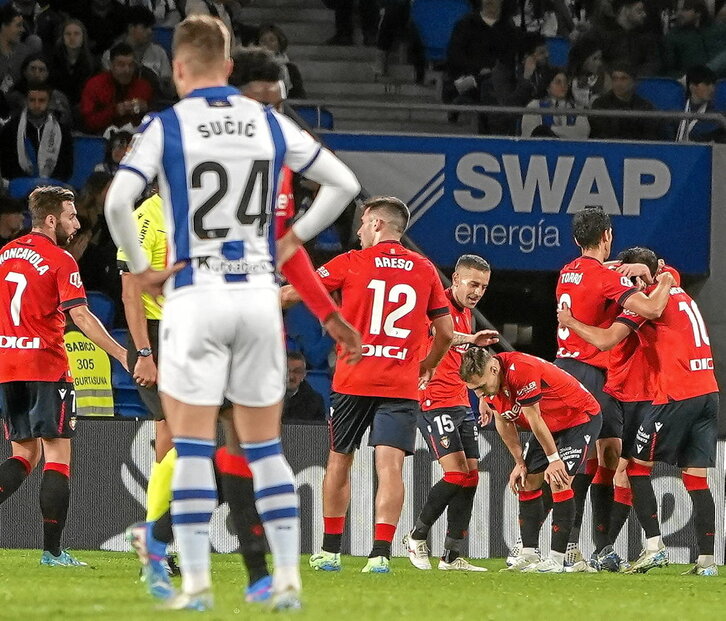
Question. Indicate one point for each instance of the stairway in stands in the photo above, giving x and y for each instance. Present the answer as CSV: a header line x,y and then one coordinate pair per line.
x,y
348,73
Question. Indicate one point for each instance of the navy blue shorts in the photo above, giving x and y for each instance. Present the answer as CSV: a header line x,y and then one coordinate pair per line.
x,y
575,445
392,422
593,379
681,433
38,410
634,413
450,430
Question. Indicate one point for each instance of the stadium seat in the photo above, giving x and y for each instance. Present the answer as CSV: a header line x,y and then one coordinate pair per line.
x,y
87,152
163,36
316,118
435,21
320,383
305,330
663,93
719,98
558,49
125,395
20,187
102,306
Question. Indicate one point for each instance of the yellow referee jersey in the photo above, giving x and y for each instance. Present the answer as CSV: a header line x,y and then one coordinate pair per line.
x,y
152,235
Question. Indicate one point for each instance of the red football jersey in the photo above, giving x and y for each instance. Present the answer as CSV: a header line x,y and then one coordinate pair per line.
x,y
595,294
446,389
677,350
285,203
388,292
38,281
527,380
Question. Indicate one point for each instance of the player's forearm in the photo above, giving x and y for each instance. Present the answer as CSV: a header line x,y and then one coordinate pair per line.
x,y
300,273
443,336
462,338
124,189
601,338
134,312
94,330
540,430
508,433
338,186
289,296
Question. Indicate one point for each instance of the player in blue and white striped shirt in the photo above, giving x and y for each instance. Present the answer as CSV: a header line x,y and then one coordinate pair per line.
x,y
217,156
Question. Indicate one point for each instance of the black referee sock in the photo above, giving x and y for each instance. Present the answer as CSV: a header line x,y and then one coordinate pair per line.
x,y
162,530
644,503
563,514
438,499
55,494
13,472
531,514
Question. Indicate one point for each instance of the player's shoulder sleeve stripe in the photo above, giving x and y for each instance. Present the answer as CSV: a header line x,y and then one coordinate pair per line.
x,y
626,295
530,400
134,170
312,160
438,312
628,322
69,304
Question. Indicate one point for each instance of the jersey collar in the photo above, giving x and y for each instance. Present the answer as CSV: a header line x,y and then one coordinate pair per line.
x,y
450,294
43,235
214,92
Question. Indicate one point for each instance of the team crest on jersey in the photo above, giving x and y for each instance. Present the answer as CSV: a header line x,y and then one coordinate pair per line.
x,y
75,280
445,442
72,422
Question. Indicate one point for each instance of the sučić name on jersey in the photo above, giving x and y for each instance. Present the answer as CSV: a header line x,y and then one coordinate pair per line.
x,y
27,254
227,126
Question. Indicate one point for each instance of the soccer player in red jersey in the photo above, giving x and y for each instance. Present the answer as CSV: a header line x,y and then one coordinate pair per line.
x,y
596,294
565,421
388,292
39,281
450,428
681,426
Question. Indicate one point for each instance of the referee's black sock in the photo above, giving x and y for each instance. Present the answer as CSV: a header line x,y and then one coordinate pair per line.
x,y
13,472
563,514
530,517
601,495
438,499
55,493
458,516
704,512
644,503
238,490
162,530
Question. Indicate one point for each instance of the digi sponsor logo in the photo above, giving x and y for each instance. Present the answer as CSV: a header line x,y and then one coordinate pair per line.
x,y
701,364
20,342
75,280
385,351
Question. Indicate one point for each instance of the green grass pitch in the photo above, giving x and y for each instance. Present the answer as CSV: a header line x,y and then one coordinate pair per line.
x,y
111,591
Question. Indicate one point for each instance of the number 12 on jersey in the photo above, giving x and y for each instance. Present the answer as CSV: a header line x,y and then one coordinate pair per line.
x,y
398,293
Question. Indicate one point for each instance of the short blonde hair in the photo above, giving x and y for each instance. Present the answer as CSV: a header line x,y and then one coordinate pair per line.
x,y
47,200
207,40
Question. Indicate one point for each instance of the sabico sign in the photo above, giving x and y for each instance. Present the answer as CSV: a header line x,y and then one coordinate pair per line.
x,y
512,201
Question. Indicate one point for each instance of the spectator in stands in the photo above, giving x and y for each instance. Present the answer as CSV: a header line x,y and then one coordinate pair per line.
x,y
368,13
700,86
555,96
695,40
12,216
117,97
587,71
47,23
550,18
116,146
625,39
104,22
230,12
272,38
480,40
304,330
33,143
528,77
71,62
139,36
12,51
396,26
166,12
34,71
98,263
622,96
301,404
